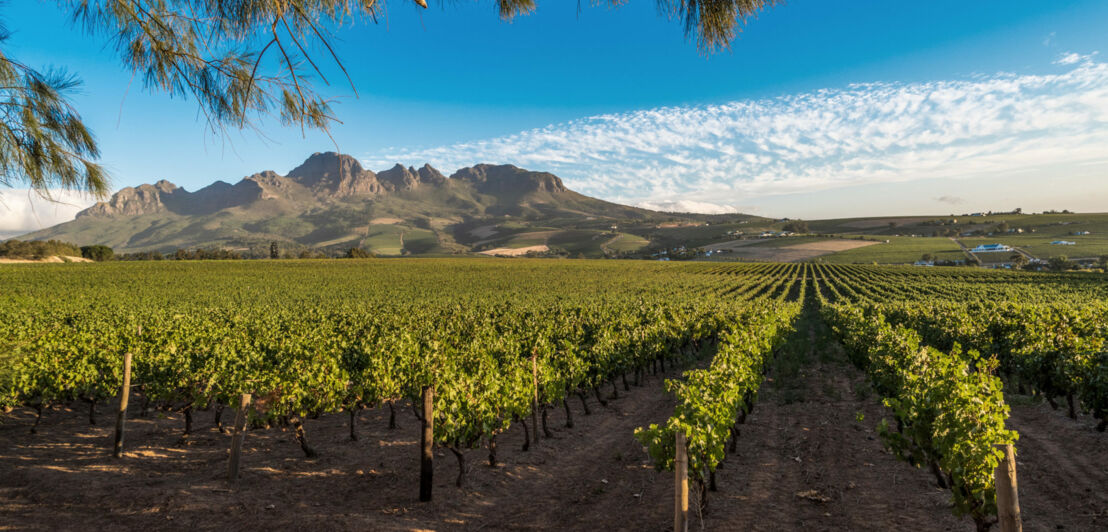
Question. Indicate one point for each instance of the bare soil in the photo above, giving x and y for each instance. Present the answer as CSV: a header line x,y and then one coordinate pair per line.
x,y
48,260
804,462
515,252
786,253
810,458
833,245
1062,467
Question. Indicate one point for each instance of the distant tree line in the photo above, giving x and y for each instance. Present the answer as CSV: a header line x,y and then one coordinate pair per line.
x,y
796,226
187,254
97,253
41,249
1018,261
37,249
1063,263
936,261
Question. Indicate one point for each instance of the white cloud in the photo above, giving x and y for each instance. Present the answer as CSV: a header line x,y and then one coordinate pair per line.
x,y
1072,58
23,211
704,207
863,134
737,155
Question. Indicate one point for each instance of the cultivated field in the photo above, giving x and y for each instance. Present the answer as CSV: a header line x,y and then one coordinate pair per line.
x,y
902,240
806,394
787,249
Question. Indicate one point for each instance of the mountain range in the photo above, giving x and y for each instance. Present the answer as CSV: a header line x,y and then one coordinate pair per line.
x,y
330,203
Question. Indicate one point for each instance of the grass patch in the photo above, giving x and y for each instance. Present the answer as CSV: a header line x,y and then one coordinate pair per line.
x,y
1040,245
384,239
624,243
420,241
899,250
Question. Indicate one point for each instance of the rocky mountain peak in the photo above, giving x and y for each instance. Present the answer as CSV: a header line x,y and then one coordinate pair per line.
x,y
268,178
336,175
428,174
326,166
506,178
327,201
130,201
165,187
399,178
328,176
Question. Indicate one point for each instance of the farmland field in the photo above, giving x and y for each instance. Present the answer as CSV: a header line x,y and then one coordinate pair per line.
x,y
570,377
793,249
905,240
1040,245
899,250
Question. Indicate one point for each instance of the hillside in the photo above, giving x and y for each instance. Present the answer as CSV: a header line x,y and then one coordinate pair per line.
x,y
330,203
906,239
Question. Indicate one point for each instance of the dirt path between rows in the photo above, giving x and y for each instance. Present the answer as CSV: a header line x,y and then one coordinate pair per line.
x,y
1062,467
806,462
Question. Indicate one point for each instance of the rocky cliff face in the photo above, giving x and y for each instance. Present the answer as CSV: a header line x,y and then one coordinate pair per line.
x,y
508,179
331,201
333,175
132,201
429,175
270,185
400,179
321,179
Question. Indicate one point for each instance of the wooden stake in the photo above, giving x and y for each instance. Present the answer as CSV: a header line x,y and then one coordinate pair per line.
x,y
237,435
427,441
1007,493
124,398
535,399
681,486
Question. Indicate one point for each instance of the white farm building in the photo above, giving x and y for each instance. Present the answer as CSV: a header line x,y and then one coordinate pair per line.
x,y
991,248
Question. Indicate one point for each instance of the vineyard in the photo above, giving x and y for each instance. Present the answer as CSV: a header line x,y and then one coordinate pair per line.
x,y
513,394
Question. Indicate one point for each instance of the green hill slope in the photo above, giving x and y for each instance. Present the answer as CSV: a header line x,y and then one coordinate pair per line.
x,y
330,203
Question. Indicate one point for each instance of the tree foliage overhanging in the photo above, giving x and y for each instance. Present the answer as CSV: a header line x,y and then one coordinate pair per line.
x,y
43,142
241,60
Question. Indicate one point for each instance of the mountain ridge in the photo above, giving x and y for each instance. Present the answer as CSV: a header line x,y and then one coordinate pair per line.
x,y
330,202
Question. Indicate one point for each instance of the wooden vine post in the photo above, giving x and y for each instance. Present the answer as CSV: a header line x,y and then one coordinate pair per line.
x,y
535,399
124,399
237,435
681,486
426,442
1007,493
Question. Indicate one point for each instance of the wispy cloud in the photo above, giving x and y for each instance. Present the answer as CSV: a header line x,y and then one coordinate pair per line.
x,y
862,134
1073,58
23,211
952,200
705,207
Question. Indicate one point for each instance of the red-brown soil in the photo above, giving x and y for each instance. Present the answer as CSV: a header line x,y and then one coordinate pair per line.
x,y
1062,467
805,462
803,438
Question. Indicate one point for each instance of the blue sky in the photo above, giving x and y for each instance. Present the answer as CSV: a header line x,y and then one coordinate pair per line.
x,y
615,101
